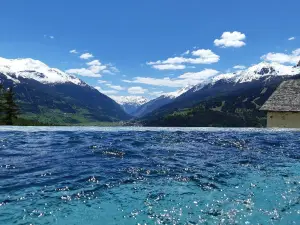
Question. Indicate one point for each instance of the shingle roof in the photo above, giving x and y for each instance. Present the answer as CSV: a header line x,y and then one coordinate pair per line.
x,y
286,98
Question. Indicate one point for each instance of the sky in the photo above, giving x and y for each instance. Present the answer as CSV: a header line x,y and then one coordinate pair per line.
x,y
147,48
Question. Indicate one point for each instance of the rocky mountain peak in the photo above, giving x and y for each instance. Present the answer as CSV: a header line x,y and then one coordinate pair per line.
x,y
179,92
28,68
266,70
133,100
130,103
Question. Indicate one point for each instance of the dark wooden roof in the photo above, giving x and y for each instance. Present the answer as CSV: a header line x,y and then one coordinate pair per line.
x,y
286,98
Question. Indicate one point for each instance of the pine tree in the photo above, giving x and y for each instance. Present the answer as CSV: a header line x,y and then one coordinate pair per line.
x,y
11,109
2,103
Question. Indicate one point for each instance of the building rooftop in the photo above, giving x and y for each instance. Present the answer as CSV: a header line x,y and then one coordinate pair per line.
x,y
286,98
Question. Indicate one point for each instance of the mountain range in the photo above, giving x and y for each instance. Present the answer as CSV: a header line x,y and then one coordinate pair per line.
x,y
156,103
52,96
231,99
191,94
130,104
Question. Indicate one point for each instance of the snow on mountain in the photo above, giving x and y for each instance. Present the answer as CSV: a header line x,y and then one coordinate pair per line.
x,y
136,100
226,76
160,101
179,92
257,71
252,73
266,69
36,70
152,105
130,103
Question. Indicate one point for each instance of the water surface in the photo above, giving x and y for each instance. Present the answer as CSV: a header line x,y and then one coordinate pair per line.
x,y
76,175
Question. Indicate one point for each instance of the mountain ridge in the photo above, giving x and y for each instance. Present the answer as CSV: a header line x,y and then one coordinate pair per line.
x,y
156,103
237,107
130,103
54,97
256,77
36,70
240,76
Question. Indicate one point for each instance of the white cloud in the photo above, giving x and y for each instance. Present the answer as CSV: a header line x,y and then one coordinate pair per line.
x,y
292,58
174,60
186,52
156,93
136,90
48,36
181,81
231,39
291,38
239,67
198,76
106,92
95,66
108,72
86,56
95,69
113,68
115,87
83,72
167,82
169,67
205,56
296,52
94,63
202,56
276,57
102,81
74,51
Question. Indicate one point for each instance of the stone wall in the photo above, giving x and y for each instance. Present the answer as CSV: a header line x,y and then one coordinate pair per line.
x,y
284,119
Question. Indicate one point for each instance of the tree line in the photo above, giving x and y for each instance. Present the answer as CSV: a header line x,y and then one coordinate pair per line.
x,y
9,109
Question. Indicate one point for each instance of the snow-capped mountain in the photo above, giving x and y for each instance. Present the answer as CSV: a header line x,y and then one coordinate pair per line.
x,y
265,69
162,100
179,92
28,68
130,103
152,105
255,72
48,94
137,100
258,71
263,75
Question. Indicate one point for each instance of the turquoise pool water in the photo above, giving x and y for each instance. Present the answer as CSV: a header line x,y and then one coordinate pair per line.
x,y
75,175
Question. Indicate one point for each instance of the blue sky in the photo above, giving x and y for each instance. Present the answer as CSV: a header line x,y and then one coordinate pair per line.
x,y
133,43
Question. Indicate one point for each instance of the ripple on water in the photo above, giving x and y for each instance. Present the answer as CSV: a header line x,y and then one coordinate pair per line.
x,y
149,176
